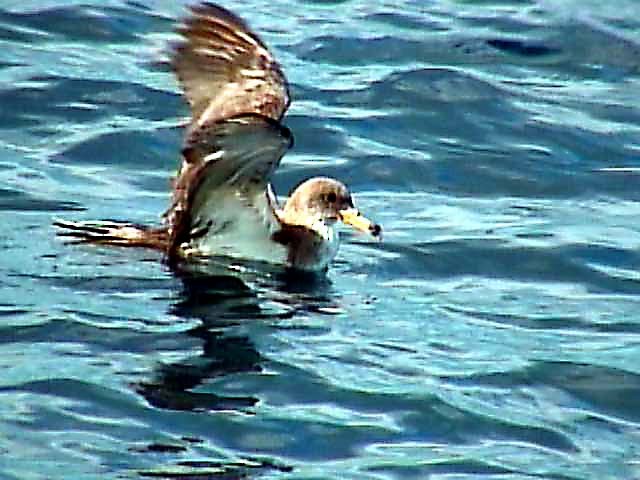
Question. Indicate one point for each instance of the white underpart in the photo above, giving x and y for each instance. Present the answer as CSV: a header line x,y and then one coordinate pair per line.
x,y
329,248
247,233
324,230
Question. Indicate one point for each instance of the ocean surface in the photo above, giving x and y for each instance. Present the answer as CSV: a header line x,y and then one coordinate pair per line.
x,y
493,334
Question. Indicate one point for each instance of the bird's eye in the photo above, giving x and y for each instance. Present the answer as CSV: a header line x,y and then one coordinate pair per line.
x,y
331,197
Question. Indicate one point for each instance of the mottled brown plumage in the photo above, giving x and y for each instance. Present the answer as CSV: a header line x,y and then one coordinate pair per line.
x,y
226,70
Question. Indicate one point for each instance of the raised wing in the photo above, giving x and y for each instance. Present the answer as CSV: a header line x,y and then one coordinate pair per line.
x,y
226,70
222,201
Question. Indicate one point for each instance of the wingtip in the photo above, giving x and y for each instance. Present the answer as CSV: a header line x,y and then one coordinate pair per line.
x,y
211,9
210,60
212,12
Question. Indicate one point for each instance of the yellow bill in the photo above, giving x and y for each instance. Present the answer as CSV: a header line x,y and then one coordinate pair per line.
x,y
351,216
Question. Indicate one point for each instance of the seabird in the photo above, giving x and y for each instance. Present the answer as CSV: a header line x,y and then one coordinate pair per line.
x,y
222,202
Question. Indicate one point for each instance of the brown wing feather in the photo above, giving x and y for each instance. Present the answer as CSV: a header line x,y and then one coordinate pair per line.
x,y
234,157
225,69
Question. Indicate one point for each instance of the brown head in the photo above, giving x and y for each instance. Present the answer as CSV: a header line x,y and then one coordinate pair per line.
x,y
327,200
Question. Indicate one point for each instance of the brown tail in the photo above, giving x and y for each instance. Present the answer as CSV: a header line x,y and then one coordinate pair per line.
x,y
121,234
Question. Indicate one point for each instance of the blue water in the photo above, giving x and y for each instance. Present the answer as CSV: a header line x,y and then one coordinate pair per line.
x,y
493,334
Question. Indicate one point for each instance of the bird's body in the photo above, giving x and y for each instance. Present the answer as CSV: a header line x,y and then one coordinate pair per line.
x,y
222,200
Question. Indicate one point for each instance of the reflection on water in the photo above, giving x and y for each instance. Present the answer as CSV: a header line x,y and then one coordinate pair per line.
x,y
220,299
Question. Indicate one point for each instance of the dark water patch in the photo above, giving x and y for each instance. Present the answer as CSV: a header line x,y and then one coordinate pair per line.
x,y
365,172
315,136
19,121
98,284
621,114
526,26
351,51
607,390
430,105
83,100
590,42
422,418
459,167
475,118
216,295
326,2
97,338
465,427
82,23
10,33
579,148
9,64
159,395
517,47
160,448
54,416
547,321
126,149
602,255
158,182
457,48
442,467
208,470
513,4
10,310
424,89
570,47
222,354
221,307
220,303
202,293
495,259
19,201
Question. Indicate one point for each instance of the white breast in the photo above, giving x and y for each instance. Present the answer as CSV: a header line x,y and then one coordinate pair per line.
x,y
239,229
